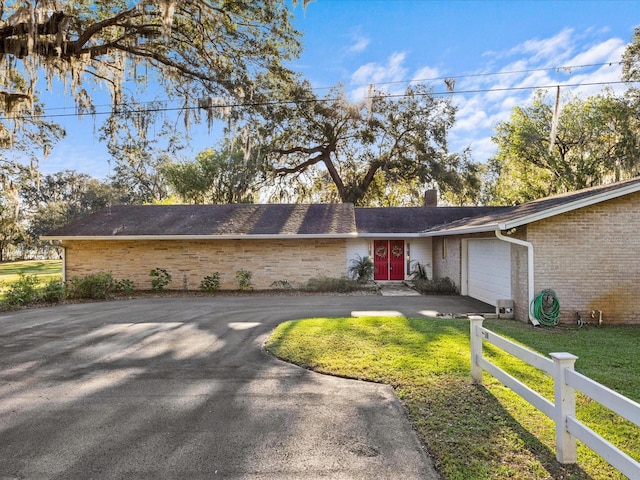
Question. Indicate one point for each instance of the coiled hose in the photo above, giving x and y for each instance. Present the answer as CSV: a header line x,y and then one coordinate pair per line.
x,y
546,308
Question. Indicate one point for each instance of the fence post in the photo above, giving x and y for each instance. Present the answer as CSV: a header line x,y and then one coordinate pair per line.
x,y
565,403
476,348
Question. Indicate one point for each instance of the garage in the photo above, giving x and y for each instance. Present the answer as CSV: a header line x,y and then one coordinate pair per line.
x,y
488,270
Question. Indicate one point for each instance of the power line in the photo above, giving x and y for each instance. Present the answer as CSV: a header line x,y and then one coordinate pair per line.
x,y
491,74
507,89
415,80
322,100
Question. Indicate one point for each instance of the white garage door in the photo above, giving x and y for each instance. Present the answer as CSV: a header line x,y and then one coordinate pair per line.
x,y
489,270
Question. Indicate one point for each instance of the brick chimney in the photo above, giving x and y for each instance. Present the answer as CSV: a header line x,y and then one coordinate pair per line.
x,y
431,198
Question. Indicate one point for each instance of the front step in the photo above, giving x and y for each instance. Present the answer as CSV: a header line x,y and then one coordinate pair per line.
x,y
396,289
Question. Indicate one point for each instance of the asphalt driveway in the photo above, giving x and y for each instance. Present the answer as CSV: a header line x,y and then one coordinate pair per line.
x,y
180,388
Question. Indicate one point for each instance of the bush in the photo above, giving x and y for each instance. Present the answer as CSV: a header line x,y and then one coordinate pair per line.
x,y
125,286
281,285
97,286
244,279
440,286
161,278
211,283
54,291
361,269
328,284
23,291
419,272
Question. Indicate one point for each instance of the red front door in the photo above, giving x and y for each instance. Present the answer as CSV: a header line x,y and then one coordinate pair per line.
x,y
396,260
381,260
388,258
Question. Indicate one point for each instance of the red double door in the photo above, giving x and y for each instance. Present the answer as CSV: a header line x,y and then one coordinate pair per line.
x,y
388,259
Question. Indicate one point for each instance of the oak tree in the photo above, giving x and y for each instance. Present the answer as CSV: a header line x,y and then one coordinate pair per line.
x,y
200,52
597,141
53,200
366,147
229,174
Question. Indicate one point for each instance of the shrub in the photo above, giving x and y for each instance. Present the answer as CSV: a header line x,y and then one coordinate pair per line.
x,y
440,286
97,286
210,283
161,278
23,291
244,279
281,285
419,272
54,291
361,269
125,286
328,284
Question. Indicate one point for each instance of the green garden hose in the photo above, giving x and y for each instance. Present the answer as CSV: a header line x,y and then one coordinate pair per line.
x,y
546,308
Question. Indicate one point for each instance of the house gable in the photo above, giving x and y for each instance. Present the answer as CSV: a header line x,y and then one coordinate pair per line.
x,y
583,245
591,258
506,218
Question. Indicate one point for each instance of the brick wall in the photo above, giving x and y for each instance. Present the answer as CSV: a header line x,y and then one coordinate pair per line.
x,y
591,259
447,259
520,277
294,260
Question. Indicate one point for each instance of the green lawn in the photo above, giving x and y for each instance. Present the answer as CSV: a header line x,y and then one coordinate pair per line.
x,y
43,269
475,432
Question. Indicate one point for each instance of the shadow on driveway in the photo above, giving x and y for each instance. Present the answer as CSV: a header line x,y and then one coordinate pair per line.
x,y
180,388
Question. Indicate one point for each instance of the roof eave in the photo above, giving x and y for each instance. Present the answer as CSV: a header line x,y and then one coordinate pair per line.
x,y
388,235
63,238
460,231
575,205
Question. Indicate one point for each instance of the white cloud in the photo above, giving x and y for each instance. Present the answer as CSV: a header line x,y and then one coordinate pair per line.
x,y
360,44
601,52
374,72
467,106
426,74
559,46
483,148
534,80
379,74
473,122
508,103
525,67
499,87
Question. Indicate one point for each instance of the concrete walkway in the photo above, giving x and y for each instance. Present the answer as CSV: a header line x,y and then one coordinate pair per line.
x,y
397,289
179,388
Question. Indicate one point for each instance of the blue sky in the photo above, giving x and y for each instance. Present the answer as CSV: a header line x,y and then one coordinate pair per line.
x,y
504,46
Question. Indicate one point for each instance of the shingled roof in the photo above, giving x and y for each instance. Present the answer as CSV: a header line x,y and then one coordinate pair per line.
x,y
323,220
405,221
511,217
228,221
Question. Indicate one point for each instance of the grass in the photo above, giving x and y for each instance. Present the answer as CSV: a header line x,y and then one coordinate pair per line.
x,y
46,269
475,432
43,269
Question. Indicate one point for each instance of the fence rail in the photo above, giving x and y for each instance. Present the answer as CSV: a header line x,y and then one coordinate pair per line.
x,y
563,410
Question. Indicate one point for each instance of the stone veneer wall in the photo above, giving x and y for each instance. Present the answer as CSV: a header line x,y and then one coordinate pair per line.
x,y
295,260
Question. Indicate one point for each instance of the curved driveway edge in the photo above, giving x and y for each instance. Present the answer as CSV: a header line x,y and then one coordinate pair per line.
x,y
180,388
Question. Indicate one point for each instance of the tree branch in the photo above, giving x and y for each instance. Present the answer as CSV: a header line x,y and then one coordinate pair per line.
x,y
300,167
307,151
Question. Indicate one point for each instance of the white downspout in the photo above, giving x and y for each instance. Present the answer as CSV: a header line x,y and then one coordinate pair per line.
x,y
531,286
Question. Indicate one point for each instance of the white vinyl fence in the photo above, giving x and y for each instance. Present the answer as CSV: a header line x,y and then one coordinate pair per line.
x,y
563,410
